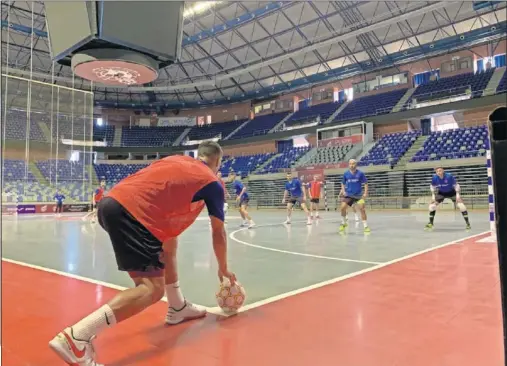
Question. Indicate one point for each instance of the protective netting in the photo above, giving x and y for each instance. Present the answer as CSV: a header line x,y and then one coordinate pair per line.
x,y
46,141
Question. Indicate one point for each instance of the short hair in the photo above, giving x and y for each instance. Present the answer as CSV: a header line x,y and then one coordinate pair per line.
x,y
209,149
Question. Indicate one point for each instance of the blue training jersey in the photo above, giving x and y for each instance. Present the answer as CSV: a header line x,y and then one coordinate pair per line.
x,y
294,187
238,187
353,183
445,184
59,198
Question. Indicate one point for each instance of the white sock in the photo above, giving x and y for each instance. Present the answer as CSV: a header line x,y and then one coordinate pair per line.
x,y
94,323
365,223
174,295
344,220
316,213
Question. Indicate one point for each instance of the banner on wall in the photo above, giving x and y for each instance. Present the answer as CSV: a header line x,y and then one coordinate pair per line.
x,y
26,209
176,121
78,207
340,141
42,209
306,175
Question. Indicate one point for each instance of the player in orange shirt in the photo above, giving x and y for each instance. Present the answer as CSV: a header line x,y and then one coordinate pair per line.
x,y
315,192
144,214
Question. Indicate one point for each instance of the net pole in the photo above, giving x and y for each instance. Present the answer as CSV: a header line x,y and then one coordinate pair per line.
x,y
497,126
6,93
326,208
491,195
51,123
57,135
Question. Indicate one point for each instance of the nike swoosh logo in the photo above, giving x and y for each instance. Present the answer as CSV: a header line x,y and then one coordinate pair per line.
x,y
77,352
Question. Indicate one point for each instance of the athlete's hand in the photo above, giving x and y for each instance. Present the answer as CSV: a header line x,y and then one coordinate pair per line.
x,y
283,201
229,275
237,199
458,196
433,197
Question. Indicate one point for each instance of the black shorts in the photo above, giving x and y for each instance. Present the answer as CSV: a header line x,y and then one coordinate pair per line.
x,y
294,200
351,200
244,201
137,251
315,200
441,196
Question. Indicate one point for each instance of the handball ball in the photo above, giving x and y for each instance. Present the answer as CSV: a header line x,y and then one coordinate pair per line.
x,y
230,298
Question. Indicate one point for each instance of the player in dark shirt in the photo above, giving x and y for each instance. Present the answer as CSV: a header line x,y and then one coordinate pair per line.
x,y
444,185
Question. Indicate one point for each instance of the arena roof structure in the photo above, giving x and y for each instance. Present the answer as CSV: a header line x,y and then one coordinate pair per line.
x,y
235,51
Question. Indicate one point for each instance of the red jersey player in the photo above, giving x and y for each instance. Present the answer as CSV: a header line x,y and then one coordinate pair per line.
x,y
97,196
314,191
144,214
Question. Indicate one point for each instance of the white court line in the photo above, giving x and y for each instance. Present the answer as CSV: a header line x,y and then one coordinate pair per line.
x,y
350,275
214,310
231,235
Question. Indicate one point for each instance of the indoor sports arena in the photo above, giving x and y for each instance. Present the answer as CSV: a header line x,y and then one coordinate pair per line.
x,y
219,183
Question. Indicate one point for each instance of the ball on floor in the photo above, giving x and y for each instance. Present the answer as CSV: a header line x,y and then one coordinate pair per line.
x,y
230,298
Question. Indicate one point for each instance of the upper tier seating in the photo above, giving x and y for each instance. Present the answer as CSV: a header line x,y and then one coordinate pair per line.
x,y
287,159
103,132
502,85
15,170
260,125
113,173
244,165
390,148
16,126
324,110
454,144
150,136
64,170
222,130
453,85
330,155
371,105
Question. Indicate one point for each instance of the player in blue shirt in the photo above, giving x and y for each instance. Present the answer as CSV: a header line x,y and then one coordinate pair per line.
x,y
444,185
242,199
59,198
352,192
296,193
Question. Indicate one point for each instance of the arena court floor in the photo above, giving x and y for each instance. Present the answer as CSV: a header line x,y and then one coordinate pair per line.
x,y
398,296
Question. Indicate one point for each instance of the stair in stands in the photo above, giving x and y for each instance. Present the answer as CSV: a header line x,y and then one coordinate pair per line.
x,y
280,124
403,101
45,130
416,146
37,173
117,136
337,112
181,137
306,157
266,163
494,81
237,129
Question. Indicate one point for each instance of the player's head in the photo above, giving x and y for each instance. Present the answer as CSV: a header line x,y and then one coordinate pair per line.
x,y
352,164
439,171
103,184
232,176
211,153
289,176
315,178
219,175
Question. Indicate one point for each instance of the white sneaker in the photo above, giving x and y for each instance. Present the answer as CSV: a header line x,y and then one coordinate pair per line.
x,y
287,221
73,351
251,224
309,222
188,312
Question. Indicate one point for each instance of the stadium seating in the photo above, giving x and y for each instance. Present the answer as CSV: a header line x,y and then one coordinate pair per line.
x,y
113,173
213,130
103,132
371,105
150,136
324,110
453,85
330,154
15,170
33,191
64,170
244,165
285,160
502,85
260,125
389,149
454,144
16,126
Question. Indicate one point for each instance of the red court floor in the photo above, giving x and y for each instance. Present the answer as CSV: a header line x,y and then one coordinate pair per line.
x,y
439,308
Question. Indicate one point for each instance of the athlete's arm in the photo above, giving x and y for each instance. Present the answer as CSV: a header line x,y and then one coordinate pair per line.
x,y
214,197
285,193
365,182
344,181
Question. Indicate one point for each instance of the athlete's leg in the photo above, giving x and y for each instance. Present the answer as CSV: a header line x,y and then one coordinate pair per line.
x,y
432,208
246,215
309,219
179,309
464,211
362,209
290,205
345,204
